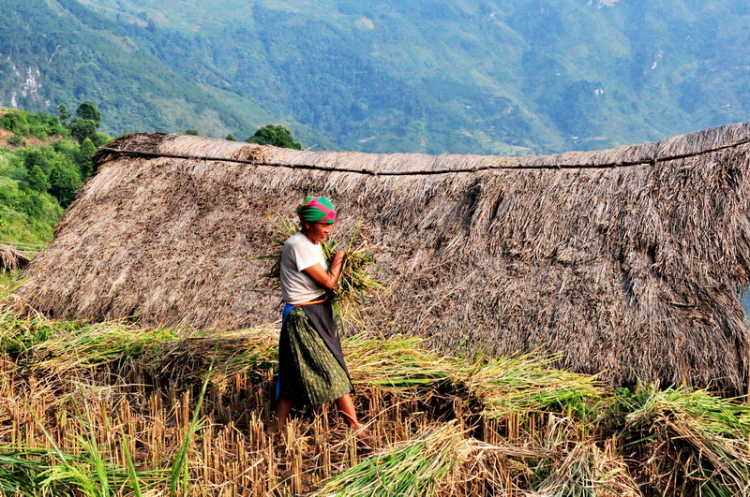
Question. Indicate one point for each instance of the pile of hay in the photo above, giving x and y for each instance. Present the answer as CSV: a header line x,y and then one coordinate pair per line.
x,y
628,261
12,258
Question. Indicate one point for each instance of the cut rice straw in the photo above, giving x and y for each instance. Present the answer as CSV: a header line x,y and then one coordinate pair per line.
x,y
415,468
689,438
511,385
354,283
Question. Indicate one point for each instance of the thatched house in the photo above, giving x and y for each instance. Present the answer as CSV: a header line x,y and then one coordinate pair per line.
x,y
11,258
628,261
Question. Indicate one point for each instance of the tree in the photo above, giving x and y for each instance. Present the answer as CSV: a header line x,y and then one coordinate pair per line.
x,y
84,158
63,112
100,139
87,110
191,132
36,158
278,136
82,129
16,122
230,137
64,182
37,180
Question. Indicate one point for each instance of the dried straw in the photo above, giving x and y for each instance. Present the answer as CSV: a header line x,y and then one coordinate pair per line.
x,y
688,439
415,468
632,272
12,258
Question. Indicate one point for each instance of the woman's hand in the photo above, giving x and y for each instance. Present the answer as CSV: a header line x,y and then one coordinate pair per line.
x,y
339,256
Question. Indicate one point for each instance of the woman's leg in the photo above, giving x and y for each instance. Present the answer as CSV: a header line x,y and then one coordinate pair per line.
x,y
346,406
283,408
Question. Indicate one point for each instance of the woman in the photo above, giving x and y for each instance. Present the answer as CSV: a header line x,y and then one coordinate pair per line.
x,y
311,363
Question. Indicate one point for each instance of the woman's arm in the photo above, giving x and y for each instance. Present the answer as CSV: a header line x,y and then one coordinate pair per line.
x,y
327,279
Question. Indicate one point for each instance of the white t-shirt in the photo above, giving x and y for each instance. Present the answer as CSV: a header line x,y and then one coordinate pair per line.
x,y
298,254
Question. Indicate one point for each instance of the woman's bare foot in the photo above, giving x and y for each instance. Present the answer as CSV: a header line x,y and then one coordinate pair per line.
x,y
364,438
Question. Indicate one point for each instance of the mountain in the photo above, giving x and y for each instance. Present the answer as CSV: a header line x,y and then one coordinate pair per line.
x,y
462,76
54,52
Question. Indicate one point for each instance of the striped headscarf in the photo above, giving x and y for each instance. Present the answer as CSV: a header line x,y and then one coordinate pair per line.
x,y
317,210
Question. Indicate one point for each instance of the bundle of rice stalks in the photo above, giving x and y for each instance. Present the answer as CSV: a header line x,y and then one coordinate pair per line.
x,y
416,468
523,384
65,347
690,442
586,470
18,336
247,351
355,282
400,365
396,363
91,346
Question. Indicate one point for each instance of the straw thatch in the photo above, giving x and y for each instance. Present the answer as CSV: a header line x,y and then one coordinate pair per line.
x,y
627,261
11,258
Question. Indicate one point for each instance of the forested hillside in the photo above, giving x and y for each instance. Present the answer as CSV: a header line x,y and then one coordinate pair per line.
x,y
465,76
44,160
54,52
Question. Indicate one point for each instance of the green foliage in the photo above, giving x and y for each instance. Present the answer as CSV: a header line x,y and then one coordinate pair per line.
x,y
37,157
84,158
60,169
83,129
191,132
16,122
275,135
64,183
230,137
38,180
37,183
63,112
87,110
101,139
26,215
65,147
24,124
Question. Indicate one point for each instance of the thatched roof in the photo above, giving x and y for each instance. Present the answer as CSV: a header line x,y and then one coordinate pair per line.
x,y
12,258
627,261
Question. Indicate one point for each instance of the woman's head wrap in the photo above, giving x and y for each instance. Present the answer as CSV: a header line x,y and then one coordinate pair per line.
x,y
317,210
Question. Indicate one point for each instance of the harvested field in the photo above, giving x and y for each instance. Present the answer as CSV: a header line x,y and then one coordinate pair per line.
x,y
112,409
